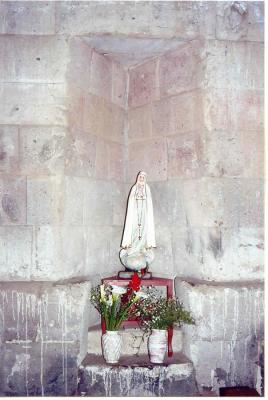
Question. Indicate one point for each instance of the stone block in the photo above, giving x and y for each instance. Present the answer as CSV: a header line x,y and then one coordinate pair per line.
x,y
79,68
223,109
31,59
28,18
140,122
33,104
233,153
45,199
136,377
243,200
81,154
185,156
59,252
102,159
76,105
120,194
42,150
241,21
178,114
98,250
87,17
103,119
186,20
13,201
230,64
9,149
116,162
143,85
98,203
163,264
149,156
203,201
119,85
179,70
39,370
101,76
168,202
16,252
228,311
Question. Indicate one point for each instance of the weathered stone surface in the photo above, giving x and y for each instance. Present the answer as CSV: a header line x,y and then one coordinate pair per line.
x,y
9,148
149,156
203,201
13,201
223,109
42,150
33,58
15,252
57,254
103,119
240,21
163,264
81,154
102,159
168,202
184,20
116,162
137,377
231,341
44,337
178,114
44,200
243,200
233,154
185,156
143,84
27,18
119,85
134,341
230,64
79,68
179,70
101,76
218,253
140,122
33,104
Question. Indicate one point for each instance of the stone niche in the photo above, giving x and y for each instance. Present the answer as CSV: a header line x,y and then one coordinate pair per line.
x,y
91,93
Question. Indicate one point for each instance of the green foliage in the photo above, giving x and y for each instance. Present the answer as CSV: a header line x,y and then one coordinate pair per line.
x,y
113,307
162,313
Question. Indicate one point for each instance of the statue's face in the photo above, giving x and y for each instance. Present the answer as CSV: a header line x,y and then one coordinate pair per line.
x,y
141,179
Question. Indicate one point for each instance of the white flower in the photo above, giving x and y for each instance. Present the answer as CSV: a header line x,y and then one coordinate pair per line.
x,y
141,295
109,302
118,289
102,293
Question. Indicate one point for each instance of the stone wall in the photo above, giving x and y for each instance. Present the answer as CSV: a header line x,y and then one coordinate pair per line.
x,y
75,129
43,337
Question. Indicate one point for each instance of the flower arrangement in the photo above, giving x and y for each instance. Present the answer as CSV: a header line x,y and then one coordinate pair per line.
x,y
115,303
162,313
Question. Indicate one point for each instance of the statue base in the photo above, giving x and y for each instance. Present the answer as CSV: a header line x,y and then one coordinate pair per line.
x,y
129,274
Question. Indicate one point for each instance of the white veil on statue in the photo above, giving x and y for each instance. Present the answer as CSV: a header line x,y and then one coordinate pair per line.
x,y
139,233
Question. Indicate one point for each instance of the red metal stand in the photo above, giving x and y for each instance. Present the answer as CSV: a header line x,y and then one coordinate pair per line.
x,y
168,283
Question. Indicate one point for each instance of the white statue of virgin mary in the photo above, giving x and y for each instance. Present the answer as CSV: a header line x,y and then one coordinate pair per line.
x,y
139,233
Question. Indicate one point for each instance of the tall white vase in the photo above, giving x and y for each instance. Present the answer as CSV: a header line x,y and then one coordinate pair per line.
x,y
111,346
157,345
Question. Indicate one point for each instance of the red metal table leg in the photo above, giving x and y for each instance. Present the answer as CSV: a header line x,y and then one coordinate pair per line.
x,y
103,327
170,335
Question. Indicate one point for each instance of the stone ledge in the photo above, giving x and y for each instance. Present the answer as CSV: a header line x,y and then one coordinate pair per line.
x,y
136,376
221,284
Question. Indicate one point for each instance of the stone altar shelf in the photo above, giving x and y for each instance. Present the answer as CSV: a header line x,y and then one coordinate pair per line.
x,y
155,281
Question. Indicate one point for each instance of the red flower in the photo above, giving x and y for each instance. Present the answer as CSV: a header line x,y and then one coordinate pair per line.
x,y
135,282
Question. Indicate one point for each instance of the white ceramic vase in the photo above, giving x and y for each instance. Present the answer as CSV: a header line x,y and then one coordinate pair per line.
x,y
157,345
111,346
